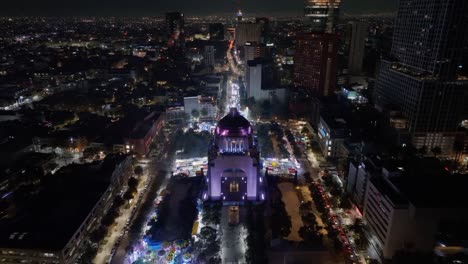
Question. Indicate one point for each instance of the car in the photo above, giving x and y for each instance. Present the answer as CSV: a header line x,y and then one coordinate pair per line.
x,y
233,215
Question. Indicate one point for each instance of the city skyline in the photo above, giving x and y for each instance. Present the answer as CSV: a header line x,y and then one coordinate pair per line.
x,y
222,132
204,7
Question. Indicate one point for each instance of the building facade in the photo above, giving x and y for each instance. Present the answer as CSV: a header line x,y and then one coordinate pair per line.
x,y
253,51
204,106
175,24
357,41
331,133
315,63
322,15
209,55
37,240
420,78
401,209
216,31
247,32
143,133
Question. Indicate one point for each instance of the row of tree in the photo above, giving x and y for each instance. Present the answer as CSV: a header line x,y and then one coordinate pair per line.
x,y
196,114
292,141
278,131
280,220
256,244
264,141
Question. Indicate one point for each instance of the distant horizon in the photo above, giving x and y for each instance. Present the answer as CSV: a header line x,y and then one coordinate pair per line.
x,y
142,8
253,15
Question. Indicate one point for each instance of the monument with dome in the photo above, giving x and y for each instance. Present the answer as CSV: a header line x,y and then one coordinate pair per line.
x,y
233,161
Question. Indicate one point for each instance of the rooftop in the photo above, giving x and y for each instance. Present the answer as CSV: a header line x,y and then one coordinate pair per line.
x,y
66,198
234,120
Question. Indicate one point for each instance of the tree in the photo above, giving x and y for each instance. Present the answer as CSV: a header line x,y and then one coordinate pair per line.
x,y
30,175
204,111
195,113
98,234
211,213
345,203
207,233
90,153
118,201
107,220
128,195
51,166
307,176
214,260
436,151
358,226
422,151
138,170
361,242
309,219
458,147
309,235
132,183
408,151
266,106
336,191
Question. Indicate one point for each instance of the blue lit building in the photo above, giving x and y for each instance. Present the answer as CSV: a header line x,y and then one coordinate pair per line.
x,y
331,133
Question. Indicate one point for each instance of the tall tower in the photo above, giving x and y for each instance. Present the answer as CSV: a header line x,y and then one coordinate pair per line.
x,y
358,33
239,15
175,24
315,63
322,15
420,79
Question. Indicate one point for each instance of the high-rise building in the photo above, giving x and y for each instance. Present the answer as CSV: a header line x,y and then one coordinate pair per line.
x,y
233,173
399,212
259,77
420,77
217,32
231,33
315,63
253,51
261,83
209,55
253,77
357,41
174,24
322,14
265,29
247,32
239,15
56,224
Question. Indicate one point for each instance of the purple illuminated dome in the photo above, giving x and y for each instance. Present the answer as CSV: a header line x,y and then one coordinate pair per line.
x,y
233,124
233,161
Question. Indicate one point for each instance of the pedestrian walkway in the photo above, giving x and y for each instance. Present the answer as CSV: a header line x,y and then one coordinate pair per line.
x,y
292,203
233,239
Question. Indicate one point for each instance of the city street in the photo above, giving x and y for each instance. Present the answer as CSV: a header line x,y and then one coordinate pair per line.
x,y
157,163
117,232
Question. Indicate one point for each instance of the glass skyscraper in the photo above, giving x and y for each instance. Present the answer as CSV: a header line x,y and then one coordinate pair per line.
x,y
420,79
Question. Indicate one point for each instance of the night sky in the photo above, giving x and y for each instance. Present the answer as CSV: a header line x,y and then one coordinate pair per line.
x,y
190,7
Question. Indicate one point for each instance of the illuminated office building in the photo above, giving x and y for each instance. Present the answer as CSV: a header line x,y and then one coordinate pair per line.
x,y
175,24
322,14
315,63
420,79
